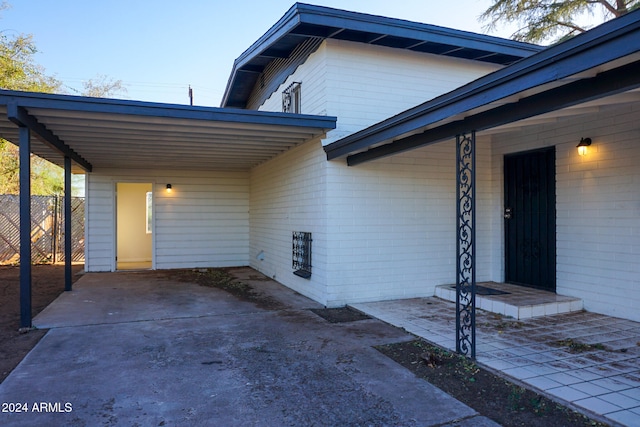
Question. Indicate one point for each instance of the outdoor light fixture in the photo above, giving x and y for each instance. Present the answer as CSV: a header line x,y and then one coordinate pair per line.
x,y
582,146
168,188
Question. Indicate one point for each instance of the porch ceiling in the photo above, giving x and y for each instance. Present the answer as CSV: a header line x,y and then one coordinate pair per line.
x,y
111,133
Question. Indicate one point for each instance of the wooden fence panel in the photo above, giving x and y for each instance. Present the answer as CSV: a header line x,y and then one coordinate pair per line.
x,y
47,229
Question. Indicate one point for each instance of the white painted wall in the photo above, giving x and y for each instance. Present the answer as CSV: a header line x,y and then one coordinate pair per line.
x,y
382,230
364,84
367,84
204,222
598,206
289,194
392,225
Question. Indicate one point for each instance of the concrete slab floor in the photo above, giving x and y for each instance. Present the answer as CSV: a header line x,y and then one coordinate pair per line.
x,y
600,376
140,349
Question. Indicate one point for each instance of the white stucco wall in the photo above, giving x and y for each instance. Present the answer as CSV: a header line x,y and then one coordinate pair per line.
x,y
597,202
204,222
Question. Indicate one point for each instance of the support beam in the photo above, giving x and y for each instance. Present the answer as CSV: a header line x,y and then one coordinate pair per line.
x,y
466,244
20,117
67,224
25,227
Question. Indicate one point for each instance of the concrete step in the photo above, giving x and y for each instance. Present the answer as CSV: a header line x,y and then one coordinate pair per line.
x,y
516,301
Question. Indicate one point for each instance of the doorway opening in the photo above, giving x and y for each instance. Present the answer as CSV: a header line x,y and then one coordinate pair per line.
x,y
134,226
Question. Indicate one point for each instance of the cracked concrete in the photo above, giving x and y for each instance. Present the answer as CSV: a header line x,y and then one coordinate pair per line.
x,y
144,349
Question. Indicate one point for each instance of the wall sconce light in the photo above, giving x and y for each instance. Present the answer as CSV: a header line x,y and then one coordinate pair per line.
x,y
582,146
168,188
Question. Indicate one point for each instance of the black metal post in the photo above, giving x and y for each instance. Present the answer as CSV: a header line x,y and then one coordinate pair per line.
x,y
466,239
67,223
56,231
25,227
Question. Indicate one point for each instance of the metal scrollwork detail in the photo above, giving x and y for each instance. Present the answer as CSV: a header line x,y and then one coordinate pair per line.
x,y
465,261
301,254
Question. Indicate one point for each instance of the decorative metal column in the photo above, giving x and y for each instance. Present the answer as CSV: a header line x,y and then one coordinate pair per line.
x,y
466,239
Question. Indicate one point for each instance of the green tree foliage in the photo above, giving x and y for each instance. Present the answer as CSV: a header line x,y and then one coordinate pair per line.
x,y
542,20
103,86
19,71
46,178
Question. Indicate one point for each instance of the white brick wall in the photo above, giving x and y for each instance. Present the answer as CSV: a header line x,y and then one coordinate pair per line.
x,y
598,206
392,225
289,194
204,222
382,230
367,84
364,84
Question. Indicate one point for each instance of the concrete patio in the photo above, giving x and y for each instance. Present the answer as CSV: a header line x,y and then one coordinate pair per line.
x,y
583,360
147,349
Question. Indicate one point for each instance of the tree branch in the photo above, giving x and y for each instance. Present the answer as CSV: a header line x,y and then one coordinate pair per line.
x,y
606,5
572,26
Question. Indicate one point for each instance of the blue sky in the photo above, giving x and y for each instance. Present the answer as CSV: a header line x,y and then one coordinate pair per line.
x,y
158,48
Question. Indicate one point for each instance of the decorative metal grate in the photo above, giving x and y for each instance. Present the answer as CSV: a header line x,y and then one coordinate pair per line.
x,y
291,98
465,260
302,254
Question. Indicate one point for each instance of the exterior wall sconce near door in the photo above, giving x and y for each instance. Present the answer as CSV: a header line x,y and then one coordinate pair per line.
x,y
168,188
582,146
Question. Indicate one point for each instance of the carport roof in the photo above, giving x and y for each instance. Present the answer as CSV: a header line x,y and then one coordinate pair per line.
x,y
109,133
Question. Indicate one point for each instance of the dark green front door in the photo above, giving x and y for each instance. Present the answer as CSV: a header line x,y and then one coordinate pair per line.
x,y
530,218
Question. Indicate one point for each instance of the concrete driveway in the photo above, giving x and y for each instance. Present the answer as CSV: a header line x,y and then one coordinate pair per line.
x,y
141,349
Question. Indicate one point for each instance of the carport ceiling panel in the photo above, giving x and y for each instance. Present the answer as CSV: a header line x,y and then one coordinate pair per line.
x,y
129,141
192,160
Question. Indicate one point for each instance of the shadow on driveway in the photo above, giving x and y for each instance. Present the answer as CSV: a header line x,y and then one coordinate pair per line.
x,y
145,349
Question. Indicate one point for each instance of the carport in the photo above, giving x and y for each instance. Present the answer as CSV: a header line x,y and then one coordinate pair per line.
x,y
83,134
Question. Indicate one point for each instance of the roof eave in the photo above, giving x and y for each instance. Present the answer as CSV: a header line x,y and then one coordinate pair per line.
x,y
152,109
301,13
606,43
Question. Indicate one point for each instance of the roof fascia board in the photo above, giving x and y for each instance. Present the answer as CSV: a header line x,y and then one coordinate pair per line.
x,y
597,47
398,27
288,21
604,84
112,106
20,117
325,16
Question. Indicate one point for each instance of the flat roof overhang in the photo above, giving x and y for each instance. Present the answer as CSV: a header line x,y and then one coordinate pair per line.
x,y
600,67
303,22
101,133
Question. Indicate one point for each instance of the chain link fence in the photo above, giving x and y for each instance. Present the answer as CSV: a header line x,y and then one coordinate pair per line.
x,y
47,229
